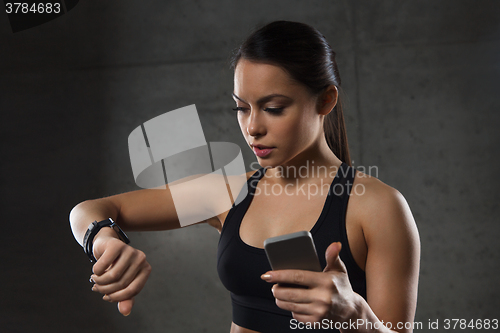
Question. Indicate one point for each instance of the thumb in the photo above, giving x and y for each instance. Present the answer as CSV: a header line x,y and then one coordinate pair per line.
x,y
333,262
125,307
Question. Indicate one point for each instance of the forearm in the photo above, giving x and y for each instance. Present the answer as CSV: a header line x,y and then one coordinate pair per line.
x,y
364,320
83,214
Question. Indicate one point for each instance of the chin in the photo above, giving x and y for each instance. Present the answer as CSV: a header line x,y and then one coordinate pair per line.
x,y
268,164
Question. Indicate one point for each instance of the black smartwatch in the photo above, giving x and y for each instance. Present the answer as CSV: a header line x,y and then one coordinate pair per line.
x,y
93,229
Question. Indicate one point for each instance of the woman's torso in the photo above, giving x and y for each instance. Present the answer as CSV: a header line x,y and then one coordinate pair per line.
x,y
272,213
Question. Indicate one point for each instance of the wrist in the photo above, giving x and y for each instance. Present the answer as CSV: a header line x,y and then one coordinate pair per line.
x,y
360,310
100,239
96,228
358,304
352,310
105,233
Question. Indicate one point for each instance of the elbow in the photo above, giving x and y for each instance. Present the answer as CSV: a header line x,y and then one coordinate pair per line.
x,y
81,216
75,221
76,212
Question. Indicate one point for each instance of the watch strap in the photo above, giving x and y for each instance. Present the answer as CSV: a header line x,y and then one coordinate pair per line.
x,y
93,229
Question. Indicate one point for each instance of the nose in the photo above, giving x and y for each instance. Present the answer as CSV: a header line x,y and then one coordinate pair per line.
x,y
255,124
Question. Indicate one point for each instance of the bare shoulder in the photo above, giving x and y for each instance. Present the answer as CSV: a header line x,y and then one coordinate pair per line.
x,y
250,173
234,185
393,248
372,193
379,208
239,180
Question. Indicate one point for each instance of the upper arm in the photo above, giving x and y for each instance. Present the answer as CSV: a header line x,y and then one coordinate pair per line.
x,y
191,200
393,257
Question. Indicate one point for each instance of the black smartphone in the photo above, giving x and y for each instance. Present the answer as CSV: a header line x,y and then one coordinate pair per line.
x,y
292,251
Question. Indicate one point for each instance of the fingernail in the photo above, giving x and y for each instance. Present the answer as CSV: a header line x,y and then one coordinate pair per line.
x,y
93,288
106,298
91,280
265,277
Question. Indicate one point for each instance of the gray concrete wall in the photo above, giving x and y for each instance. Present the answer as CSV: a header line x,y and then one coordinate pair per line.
x,y
422,81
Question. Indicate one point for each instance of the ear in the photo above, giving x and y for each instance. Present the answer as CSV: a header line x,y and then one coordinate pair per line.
x,y
327,100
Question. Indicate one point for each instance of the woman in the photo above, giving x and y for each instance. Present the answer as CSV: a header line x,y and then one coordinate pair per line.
x,y
286,87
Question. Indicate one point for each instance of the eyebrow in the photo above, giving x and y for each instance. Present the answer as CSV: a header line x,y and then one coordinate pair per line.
x,y
264,99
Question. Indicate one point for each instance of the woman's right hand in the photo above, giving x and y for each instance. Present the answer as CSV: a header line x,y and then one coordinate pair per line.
x,y
120,272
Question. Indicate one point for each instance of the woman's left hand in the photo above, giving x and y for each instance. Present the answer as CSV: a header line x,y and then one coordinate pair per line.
x,y
326,295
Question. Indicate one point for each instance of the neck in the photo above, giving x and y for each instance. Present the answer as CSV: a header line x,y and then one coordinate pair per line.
x,y
316,162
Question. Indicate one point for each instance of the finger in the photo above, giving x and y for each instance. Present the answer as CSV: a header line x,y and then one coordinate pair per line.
x,y
293,276
131,290
125,307
120,282
126,265
291,294
332,256
105,261
113,273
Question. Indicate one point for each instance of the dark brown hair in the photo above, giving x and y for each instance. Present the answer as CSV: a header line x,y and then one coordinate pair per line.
x,y
305,54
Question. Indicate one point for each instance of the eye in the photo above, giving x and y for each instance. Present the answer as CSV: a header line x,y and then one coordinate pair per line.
x,y
274,110
239,108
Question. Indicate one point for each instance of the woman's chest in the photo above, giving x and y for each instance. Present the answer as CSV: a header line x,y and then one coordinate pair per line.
x,y
270,215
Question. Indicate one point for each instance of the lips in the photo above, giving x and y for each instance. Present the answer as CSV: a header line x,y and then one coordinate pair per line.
x,y
261,150
261,146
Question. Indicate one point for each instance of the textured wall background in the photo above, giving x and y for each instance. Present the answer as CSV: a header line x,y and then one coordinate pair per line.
x,y
422,81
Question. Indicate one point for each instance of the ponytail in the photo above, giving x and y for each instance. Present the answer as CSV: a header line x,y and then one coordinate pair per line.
x,y
336,134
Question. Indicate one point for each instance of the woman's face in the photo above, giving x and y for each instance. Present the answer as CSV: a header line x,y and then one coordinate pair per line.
x,y
277,116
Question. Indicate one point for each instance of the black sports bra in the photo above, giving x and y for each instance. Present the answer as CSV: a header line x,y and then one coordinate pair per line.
x,y
240,265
